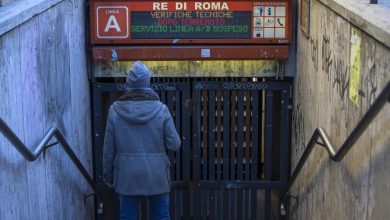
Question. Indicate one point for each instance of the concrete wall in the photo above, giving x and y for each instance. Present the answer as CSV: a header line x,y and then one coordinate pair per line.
x,y
44,83
359,186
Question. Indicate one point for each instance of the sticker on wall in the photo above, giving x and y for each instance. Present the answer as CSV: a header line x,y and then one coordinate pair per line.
x,y
355,64
304,20
205,53
114,55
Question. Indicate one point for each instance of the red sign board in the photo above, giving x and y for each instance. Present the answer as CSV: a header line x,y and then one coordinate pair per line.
x,y
112,22
191,22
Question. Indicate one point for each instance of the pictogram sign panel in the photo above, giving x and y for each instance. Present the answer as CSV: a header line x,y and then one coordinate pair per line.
x,y
191,22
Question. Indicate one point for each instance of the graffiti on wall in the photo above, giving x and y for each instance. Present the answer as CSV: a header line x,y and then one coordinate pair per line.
x,y
337,68
314,52
330,53
298,121
326,52
341,78
369,86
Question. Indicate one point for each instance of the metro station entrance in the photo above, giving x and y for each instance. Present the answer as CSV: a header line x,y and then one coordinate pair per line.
x,y
234,155
216,65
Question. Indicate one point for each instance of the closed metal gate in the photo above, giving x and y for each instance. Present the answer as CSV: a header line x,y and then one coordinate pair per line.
x,y
234,155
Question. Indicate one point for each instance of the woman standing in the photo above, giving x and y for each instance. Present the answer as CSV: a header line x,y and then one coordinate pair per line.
x,y
139,131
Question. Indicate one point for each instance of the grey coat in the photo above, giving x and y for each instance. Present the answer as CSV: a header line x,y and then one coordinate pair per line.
x,y
138,133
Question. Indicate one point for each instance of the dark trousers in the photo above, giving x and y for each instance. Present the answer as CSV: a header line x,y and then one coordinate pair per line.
x,y
158,207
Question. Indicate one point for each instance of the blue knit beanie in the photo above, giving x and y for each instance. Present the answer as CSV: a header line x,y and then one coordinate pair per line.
x,y
138,76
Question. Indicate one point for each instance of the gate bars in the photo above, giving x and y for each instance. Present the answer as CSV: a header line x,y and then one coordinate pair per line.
x,y
233,153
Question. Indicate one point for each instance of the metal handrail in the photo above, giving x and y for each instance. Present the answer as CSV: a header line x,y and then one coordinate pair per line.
x,y
43,145
320,133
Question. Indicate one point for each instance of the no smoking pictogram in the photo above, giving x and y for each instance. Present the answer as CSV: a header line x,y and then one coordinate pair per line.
x,y
112,22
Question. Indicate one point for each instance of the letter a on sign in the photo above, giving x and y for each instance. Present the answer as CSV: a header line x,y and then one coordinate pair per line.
x,y
112,22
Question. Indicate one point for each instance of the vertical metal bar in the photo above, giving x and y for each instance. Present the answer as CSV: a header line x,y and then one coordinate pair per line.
x,y
204,174
175,166
284,136
168,97
240,149
219,129
178,123
226,134
143,212
219,149
226,149
171,154
98,133
262,131
232,204
179,202
205,203
211,134
233,158
204,132
233,142
247,129
186,151
196,152
255,147
172,204
211,149
112,97
268,150
163,96
240,134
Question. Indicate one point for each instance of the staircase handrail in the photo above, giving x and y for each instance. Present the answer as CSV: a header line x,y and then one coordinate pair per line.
x,y
43,145
320,133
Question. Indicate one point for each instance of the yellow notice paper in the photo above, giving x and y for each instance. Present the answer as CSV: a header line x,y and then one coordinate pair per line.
x,y
354,73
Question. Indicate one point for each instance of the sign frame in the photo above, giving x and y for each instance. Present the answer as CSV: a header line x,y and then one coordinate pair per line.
x,y
138,5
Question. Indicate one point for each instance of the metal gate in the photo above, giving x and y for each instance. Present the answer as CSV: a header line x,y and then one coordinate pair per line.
x,y
234,155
